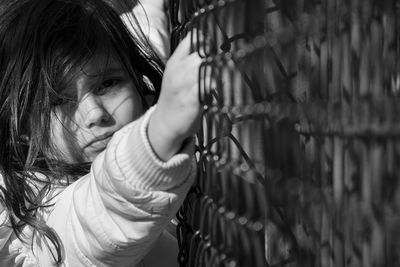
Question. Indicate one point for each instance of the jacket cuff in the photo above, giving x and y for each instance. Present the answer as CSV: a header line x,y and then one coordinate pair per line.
x,y
137,160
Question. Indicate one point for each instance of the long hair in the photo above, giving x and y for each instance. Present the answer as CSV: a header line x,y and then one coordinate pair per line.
x,y
43,43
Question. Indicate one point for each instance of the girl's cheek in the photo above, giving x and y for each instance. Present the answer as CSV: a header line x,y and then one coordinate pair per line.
x,y
127,106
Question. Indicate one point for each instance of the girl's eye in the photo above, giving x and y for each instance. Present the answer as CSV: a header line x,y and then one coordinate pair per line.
x,y
106,86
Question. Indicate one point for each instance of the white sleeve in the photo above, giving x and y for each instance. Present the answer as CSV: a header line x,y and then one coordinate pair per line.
x,y
114,215
15,251
153,19
8,255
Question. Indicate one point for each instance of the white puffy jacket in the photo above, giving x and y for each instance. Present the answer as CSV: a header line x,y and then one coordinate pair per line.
x,y
115,215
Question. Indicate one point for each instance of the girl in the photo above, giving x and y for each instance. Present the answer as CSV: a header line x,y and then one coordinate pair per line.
x,y
86,179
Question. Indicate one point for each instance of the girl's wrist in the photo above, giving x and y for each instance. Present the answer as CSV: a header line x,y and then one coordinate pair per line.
x,y
164,142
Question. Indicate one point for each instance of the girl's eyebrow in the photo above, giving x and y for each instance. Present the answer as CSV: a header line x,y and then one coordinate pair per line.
x,y
112,70
106,71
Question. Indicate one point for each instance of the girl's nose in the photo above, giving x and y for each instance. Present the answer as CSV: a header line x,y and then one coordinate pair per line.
x,y
93,111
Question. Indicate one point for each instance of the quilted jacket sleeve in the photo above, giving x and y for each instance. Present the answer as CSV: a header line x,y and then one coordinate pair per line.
x,y
114,215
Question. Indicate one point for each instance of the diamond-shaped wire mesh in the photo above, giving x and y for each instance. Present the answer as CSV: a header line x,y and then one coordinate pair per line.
x,y
297,153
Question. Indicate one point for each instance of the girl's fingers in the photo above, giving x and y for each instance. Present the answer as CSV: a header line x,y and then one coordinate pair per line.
x,y
194,59
192,40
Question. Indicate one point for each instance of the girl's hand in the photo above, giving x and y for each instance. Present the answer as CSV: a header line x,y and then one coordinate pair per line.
x,y
177,115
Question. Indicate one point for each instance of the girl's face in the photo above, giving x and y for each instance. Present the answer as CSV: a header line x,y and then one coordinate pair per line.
x,y
100,100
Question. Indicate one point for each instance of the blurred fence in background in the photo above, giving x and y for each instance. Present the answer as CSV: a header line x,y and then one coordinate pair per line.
x,y
299,153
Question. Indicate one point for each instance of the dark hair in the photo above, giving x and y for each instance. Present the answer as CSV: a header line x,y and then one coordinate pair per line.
x,y
42,43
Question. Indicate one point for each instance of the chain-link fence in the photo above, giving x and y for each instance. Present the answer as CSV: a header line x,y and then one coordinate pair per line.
x,y
299,150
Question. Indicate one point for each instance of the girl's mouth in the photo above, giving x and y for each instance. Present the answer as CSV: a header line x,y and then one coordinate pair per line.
x,y
99,143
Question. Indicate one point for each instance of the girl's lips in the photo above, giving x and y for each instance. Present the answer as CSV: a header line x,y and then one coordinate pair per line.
x,y
99,143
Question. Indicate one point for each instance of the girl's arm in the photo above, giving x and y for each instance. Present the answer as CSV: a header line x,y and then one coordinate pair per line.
x,y
177,115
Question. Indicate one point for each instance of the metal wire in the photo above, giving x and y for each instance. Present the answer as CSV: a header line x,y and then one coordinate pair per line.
x,y
300,138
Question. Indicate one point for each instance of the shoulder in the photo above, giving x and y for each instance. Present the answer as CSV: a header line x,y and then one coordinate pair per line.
x,y
153,20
